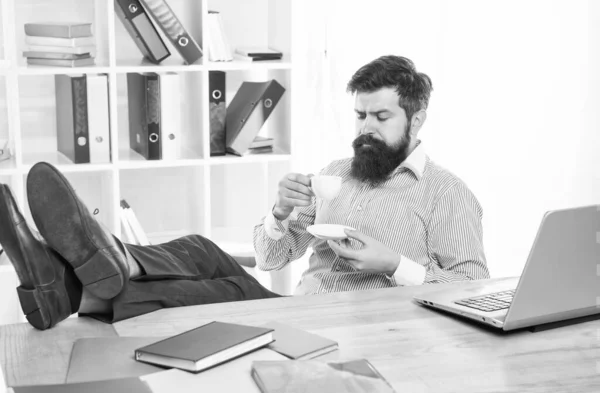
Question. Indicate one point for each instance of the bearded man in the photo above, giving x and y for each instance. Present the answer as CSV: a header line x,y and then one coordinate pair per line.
x,y
414,221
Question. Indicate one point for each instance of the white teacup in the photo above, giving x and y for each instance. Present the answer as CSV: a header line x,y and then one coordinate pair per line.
x,y
326,187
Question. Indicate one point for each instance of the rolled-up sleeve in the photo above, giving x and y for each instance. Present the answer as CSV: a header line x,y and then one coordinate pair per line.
x,y
279,242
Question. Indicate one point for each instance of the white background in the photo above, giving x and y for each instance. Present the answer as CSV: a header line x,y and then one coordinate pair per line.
x,y
515,106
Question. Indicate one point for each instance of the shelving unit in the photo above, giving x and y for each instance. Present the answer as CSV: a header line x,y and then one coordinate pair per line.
x,y
220,197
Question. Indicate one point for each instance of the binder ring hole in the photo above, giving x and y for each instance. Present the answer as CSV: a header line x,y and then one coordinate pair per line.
x,y
171,136
217,94
99,139
268,103
81,141
133,8
153,137
183,41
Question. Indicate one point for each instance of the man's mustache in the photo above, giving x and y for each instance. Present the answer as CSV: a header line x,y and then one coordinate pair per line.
x,y
366,139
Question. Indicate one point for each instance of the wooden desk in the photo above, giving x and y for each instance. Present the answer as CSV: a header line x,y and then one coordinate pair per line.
x,y
415,348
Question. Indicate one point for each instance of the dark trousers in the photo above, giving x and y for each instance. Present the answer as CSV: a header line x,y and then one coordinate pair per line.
x,y
188,271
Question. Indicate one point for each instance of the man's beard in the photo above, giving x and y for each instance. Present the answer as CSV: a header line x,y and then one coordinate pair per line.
x,y
373,164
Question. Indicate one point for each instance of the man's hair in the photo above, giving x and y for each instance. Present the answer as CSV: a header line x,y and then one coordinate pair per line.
x,y
398,72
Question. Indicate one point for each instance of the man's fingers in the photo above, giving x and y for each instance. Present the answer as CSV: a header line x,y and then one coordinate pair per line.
x,y
357,235
341,251
290,194
299,178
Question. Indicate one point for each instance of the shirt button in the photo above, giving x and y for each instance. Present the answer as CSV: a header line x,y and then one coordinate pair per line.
x,y
359,208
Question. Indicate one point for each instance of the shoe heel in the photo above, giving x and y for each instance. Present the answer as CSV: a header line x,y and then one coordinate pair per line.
x,y
101,276
32,304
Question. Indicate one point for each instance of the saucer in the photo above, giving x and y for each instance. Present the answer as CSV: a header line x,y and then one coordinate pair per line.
x,y
328,231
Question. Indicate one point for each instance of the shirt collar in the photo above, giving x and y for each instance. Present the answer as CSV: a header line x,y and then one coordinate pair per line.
x,y
415,161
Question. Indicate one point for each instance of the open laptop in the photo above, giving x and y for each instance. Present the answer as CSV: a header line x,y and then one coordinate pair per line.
x,y
560,281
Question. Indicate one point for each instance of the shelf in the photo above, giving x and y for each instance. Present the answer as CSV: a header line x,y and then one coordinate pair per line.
x,y
171,64
249,158
175,65
282,64
44,70
61,162
130,159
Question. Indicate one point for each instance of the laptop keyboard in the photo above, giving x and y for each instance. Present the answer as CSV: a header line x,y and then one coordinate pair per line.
x,y
492,302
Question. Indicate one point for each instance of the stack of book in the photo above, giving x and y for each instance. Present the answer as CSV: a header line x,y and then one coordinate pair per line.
x,y
59,44
257,54
218,45
261,144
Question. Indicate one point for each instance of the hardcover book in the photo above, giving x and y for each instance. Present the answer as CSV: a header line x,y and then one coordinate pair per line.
x,y
72,134
297,343
205,346
56,55
142,31
218,112
76,50
143,94
60,42
166,19
59,29
61,62
250,108
356,376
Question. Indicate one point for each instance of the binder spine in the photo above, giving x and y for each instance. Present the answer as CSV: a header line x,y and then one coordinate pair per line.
x,y
153,119
218,112
166,19
80,120
142,31
138,129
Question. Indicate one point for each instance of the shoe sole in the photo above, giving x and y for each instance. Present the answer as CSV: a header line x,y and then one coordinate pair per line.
x,y
33,299
94,265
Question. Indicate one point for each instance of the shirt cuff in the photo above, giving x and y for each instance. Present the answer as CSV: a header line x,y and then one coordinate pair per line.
x,y
275,228
409,272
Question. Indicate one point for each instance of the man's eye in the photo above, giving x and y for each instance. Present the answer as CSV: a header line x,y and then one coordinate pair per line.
x,y
382,118
361,115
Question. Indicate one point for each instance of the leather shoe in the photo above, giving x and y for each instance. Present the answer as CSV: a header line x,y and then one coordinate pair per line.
x,y
70,229
49,292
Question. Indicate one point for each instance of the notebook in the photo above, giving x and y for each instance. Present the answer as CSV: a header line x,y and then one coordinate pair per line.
x,y
205,346
101,358
298,344
356,376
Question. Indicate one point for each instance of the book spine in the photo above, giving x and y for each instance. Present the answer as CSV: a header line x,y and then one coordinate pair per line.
x,y
153,119
218,112
80,120
60,42
58,31
166,19
137,23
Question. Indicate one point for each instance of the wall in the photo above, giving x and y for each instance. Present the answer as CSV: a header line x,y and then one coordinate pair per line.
x,y
514,111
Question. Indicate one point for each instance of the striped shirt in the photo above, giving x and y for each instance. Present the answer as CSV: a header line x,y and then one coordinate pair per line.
x,y
423,212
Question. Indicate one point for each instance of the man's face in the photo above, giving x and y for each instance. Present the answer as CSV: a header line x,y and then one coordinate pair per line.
x,y
383,135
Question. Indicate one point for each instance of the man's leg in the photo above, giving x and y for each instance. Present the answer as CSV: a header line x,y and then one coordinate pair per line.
x,y
186,271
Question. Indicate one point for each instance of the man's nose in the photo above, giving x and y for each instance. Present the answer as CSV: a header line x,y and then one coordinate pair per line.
x,y
367,127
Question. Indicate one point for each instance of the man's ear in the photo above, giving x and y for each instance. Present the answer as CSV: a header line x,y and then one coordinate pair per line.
x,y
418,119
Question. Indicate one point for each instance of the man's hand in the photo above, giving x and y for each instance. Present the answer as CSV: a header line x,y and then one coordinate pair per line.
x,y
293,190
373,257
